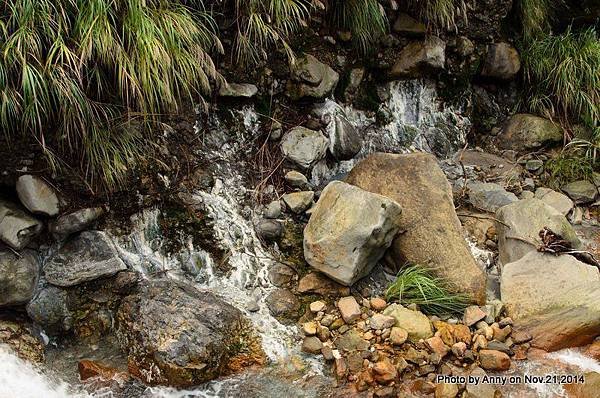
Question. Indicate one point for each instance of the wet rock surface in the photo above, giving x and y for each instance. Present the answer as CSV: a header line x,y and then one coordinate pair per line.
x,y
19,275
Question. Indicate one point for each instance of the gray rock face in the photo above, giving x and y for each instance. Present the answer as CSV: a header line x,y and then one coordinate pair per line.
x,y
406,25
49,309
432,233
344,140
37,196
87,256
244,90
344,243
554,199
581,191
501,62
520,224
298,202
295,179
489,196
18,277
17,228
273,209
177,335
75,221
269,229
556,299
524,131
311,78
303,146
420,56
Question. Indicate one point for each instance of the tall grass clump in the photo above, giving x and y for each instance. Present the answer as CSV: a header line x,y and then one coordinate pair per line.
x,y
264,24
563,74
364,19
415,284
441,14
535,16
85,76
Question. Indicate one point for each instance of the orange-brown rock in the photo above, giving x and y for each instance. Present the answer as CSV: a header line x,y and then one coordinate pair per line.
x,y
384,371
494,360
89,369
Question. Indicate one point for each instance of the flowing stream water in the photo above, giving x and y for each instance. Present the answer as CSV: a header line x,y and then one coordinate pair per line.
x,y
417,120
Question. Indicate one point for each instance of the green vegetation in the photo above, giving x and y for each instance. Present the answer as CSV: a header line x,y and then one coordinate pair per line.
x,y
570,165
415,284
262,24
364,19
441,14
535,16
86,77
563,72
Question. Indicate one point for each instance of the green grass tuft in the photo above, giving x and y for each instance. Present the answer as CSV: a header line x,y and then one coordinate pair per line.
x,y
568,166
415,284
441,14
75,74
364,19
535,16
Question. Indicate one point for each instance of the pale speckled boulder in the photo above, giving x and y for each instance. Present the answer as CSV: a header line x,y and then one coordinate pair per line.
x,y
554,298
349,231
432,234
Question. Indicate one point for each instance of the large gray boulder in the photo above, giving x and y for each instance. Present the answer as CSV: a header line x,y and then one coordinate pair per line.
x,y
523,131
311,78
581,192
432,234
18,277
554,298
554,199
87,256
177,335
37,196
501,62
304,147
520,223
17,228
74,221
419,56
349,231
489,196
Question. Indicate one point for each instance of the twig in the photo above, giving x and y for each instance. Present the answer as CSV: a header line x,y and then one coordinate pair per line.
x,y
483,218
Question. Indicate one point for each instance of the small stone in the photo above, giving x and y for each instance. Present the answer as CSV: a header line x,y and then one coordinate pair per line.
x,y
378,304
473,314
384,371
349,309
520,337
385,392
499,346
501,334
89,369
295,179
238,90
312,345
327,353
317,306
379,321
273,209
398,336
505,322
323,333
298,202
436,345
269,229
494,360
352,341
480,342
444,390
309,328
37,195
328,320
341,369
458,349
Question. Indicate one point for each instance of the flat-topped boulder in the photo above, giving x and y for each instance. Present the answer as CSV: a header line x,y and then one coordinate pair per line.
x,y
432,235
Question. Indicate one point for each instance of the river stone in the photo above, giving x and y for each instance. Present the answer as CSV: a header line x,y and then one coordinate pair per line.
x,y
48,308
523,131
304,147
295,179
554,199
406,25
351,341
414,322
344,140
556,299
283,304
311,78
419,56
85,257
298,202
17,228
317,283
18,277
178,335
269,230
244,90
581,192
344,243
489,196
273,209
37,196
520,223
75,221
501,62
432,232
349,309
